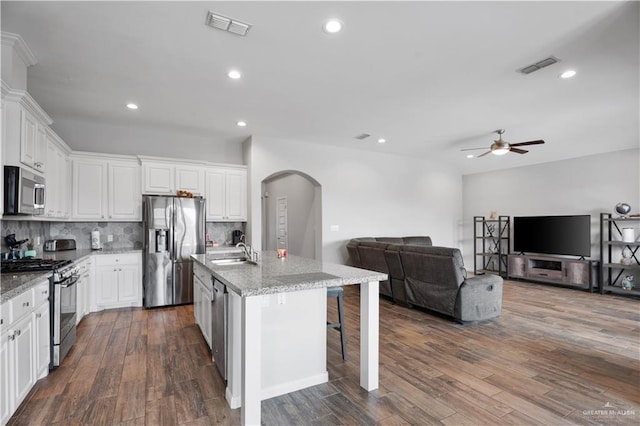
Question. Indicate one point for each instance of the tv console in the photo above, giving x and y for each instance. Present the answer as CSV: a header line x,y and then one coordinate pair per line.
x,y
554,270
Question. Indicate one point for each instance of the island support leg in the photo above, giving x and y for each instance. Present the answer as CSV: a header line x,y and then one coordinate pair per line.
x,y
369,328
251,360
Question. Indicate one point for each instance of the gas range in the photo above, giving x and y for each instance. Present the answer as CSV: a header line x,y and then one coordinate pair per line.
x,y
34,265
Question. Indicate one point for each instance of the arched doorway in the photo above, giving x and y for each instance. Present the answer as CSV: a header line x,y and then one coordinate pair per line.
x,y
292,214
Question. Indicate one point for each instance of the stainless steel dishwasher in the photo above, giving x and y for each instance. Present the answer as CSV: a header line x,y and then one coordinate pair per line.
x,y
219,326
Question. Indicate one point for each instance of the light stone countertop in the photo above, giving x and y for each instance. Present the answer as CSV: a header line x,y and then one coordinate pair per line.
x,y
13,284
293,273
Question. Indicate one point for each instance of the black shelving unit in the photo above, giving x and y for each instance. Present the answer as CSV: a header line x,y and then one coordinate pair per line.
x,y
611,271
491,242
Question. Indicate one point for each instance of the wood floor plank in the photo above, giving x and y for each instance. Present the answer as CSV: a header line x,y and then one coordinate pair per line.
x,y
553,357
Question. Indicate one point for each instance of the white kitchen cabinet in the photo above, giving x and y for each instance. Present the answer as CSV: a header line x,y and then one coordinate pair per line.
x,y
89,189
202,297
84,286
106,190
41,321
25,127
165,178
124,198
226,194
57,174
118,281
6,371
33,140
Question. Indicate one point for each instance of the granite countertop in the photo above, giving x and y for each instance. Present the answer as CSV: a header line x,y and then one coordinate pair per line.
x,y
272,275
12,284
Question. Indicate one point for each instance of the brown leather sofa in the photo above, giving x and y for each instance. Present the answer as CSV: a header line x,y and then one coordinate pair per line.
x,y
431,277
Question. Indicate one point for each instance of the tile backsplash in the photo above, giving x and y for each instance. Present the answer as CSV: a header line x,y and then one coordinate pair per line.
x,y
125,234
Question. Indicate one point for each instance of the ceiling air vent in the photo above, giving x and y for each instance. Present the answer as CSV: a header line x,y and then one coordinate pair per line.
x,y
539,65
225,23
362,136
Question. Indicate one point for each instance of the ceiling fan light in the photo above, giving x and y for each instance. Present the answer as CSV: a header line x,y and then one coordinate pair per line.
x,y
500,151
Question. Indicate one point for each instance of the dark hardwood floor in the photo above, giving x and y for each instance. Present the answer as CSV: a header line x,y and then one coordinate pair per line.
x,y
556,356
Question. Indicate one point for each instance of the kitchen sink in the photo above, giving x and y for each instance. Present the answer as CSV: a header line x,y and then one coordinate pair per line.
x,y
233,261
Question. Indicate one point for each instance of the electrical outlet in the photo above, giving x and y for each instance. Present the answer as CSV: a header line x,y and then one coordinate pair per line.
x,y
109,238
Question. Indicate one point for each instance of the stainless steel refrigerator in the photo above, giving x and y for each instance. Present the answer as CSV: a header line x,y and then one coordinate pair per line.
x,y
174,229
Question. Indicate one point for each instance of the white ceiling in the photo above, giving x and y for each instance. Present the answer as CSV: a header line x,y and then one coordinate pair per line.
x,y
430,77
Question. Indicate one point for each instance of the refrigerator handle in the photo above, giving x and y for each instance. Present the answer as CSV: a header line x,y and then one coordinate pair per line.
x,y
170,232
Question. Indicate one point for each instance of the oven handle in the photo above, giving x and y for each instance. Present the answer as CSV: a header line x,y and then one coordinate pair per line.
x,y
72,280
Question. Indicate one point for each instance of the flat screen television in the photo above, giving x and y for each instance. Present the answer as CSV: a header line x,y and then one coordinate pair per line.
x,y
566,235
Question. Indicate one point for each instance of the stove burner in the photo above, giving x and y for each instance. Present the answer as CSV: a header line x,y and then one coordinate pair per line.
x,y
32,265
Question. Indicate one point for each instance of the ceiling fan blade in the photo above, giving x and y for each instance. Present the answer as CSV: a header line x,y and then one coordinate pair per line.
x,y
482,155
473,149
518,150
538,142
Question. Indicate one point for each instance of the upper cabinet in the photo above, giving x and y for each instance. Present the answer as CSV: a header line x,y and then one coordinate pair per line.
x,y
226,194
58,178
25,134
106,189
166,177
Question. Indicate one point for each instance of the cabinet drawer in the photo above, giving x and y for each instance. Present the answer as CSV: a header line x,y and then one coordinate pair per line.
x,y
544,273
41,293
117,259
203,275
21,305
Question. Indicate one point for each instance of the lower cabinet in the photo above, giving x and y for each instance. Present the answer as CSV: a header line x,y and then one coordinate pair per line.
x,y
84,285
202,298
24,346
118,281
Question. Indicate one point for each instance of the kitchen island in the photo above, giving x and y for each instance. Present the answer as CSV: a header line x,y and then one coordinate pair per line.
x,y
277,326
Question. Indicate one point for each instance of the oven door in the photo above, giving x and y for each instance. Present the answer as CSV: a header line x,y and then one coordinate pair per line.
x,y
63,321
64,315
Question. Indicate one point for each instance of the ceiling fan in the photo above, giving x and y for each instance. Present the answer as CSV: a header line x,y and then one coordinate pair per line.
x,y
501,147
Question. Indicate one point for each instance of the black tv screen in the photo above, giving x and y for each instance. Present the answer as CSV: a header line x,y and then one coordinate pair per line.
x,y
568,235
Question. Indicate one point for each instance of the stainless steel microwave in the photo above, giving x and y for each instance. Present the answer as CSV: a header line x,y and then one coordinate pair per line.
x,y
23,191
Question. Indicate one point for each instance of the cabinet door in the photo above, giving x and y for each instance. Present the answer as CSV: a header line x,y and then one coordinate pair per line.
x,y
42,354
64,184
196,300
125,199
28,129
206,315
106,281
129,284
54,191
190,178
40,148
576,272
6,372
157,178
215,195
236,195
89,189
23,358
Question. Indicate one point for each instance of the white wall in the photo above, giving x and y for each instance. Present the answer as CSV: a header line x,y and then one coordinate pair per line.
x,y
363,193
301,218
585,185
154,140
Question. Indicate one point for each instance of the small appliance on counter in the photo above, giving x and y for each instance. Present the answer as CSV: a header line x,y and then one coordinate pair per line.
x,y
95,240
60,245
237,237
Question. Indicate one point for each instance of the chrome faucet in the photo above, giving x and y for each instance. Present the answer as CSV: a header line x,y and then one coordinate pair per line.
x,y
248,251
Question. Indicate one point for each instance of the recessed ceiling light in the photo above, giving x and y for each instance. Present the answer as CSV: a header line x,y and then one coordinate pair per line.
x,y
382,140
132,106
241,123
470,155
332,26
234,74
568,74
